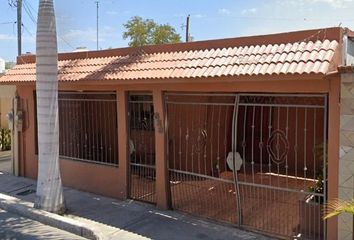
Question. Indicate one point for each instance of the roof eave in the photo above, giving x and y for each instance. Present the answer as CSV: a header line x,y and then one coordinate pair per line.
x,y
214,79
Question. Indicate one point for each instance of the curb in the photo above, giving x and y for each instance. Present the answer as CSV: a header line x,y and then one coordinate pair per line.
x,y
23,208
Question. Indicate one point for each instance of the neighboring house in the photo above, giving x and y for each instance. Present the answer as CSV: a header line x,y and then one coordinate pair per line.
x,y
6,96
2,65
242,130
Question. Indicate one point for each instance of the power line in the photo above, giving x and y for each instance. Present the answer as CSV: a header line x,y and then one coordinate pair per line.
x,y
29,12
28,8
28,31
3,23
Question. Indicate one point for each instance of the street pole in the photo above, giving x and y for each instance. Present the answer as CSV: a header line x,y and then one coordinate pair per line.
x,y
97,2
19,27
187,29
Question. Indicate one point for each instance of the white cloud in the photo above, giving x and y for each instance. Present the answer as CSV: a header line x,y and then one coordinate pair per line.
x,y
304,3
198,16
80,37
335,3
224,11
295,15
7,37
249,11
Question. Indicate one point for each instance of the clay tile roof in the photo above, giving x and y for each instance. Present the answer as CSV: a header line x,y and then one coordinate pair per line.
x,y
281,54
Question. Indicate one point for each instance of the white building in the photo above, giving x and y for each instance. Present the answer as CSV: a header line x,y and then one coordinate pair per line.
x,y
2,65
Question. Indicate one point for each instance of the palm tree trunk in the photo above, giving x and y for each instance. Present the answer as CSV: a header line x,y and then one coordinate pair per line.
x,y
49,186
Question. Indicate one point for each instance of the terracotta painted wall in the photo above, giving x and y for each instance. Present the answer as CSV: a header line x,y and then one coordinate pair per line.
x,y
84,176
105,180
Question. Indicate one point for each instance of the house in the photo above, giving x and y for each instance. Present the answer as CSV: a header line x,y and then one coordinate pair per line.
x,y
252,131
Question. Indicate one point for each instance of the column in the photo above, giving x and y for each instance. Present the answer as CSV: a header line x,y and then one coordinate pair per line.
x,y
162,186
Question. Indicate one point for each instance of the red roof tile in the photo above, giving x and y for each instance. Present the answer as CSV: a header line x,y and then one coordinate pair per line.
x,y
302,57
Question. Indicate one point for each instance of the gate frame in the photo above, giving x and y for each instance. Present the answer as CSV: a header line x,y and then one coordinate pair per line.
x,y
325,106
129,94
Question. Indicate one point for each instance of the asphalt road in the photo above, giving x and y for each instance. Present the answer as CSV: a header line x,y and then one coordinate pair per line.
x,y
14,227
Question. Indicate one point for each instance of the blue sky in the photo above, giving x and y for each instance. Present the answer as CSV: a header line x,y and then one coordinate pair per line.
x,y
210,19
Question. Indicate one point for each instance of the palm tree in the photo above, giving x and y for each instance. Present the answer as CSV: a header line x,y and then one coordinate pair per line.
x,y
49,186
338,207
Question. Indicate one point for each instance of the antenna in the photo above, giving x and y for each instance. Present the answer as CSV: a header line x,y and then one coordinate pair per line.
x,y
97,2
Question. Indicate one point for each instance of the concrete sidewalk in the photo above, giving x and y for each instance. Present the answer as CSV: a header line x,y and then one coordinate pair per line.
x,y
113,219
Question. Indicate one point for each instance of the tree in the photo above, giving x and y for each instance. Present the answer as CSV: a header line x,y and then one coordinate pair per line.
x,y
49,194
9,65
142,32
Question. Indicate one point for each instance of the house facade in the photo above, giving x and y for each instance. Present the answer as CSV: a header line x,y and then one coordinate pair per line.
x,y
251,131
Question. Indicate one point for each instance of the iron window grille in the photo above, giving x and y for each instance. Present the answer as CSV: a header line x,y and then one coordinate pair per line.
x,y
88,127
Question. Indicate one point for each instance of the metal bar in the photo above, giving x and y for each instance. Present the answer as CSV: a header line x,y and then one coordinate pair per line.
x,y
199,136
61,93
244,142
282,105
140,101
261,143
87,161
305,142
218,147
86,100
211,125
298,95
279,188
246,94
325,115
269,135
202,94
200,103
296,144
234,147
143,165
201,176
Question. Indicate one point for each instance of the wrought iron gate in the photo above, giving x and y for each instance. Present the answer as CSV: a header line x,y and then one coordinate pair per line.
x,y
142,148
254,160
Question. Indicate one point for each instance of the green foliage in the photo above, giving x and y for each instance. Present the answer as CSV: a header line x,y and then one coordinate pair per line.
x,y
5,139
9,65
142,32
319,187
338,207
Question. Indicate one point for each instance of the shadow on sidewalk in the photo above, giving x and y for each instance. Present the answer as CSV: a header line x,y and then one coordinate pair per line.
x,y
139,218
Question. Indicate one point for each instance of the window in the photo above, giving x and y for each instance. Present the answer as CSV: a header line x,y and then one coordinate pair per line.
x,y
88,127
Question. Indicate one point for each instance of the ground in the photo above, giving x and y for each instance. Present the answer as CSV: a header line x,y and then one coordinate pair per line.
x,y
128,219
13,227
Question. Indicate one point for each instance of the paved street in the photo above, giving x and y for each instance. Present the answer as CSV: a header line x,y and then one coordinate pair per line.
x,y
16,227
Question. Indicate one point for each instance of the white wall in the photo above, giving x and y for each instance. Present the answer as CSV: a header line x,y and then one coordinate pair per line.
x,y
2,65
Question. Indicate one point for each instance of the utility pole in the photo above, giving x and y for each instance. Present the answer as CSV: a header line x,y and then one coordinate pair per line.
x,y
187,29
97,2
19,27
